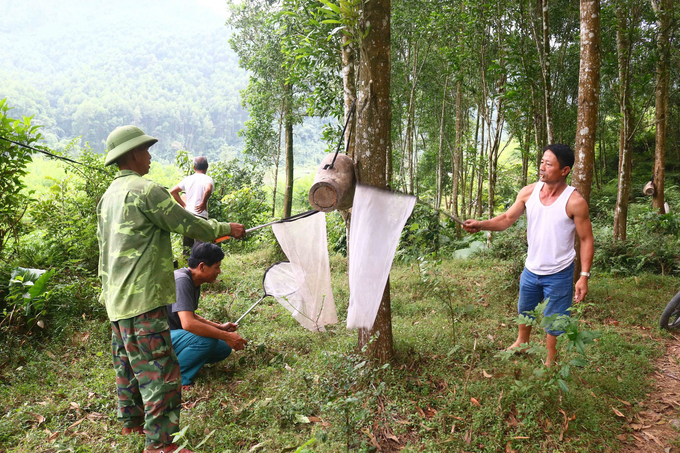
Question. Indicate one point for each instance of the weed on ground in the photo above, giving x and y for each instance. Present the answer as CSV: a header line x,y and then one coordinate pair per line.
x,y
448,388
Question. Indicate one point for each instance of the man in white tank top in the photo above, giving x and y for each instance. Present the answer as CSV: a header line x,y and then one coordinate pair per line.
x,y
555,213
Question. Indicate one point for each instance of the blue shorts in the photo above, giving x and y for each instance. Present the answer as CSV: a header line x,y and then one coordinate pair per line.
x,y
558,288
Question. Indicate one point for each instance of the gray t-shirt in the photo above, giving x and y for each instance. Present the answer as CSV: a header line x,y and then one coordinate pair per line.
x,y
187,297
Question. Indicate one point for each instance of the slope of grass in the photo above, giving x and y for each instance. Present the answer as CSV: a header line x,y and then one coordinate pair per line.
x,y
446,389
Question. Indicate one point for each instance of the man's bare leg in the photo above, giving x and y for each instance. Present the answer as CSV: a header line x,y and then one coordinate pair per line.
x,y
551,343
522,337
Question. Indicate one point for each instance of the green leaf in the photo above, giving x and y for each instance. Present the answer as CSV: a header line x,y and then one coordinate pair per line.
x,y
331,5
39,287
563,385
206,438
179,435
579,362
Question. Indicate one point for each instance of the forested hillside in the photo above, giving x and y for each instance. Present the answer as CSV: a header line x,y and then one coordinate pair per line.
x,y
172,74
160,65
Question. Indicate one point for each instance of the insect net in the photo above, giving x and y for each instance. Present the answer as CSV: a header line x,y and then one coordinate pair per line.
x,y
378,217
303,285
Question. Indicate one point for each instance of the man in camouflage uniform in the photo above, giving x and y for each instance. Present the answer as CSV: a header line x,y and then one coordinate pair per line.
x,y
135,217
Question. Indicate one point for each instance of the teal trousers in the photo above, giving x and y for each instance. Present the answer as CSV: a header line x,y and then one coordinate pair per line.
x,y
194,351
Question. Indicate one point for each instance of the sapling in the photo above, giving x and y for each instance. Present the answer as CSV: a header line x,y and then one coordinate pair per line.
x,y
573,339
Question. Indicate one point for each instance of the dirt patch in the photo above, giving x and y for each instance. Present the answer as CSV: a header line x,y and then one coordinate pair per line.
x,y
657,427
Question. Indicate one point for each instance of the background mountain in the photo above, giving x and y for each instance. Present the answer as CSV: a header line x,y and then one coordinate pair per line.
x,y
84,67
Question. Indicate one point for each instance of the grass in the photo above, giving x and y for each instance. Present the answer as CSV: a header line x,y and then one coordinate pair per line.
x,y
294,390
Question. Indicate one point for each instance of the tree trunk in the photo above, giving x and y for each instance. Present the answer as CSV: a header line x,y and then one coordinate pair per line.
x,y
349,96
440,167
455,182
480,175
588,99
623,47
542,41
474,168
373,134
410,124
277,157
349,88
663,10
288,121
525,155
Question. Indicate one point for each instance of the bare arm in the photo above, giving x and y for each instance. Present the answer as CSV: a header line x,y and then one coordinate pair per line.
x,y
175,194
577,208
227,327
200,326
207,191
505,220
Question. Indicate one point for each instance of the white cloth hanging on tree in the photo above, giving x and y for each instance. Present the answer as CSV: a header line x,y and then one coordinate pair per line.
x,y
305,244
378,217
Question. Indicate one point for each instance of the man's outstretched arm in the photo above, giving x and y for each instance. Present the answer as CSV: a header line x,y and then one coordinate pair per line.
x,y
505,220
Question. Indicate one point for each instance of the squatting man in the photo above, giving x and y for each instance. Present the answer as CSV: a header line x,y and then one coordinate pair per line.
x,y
556,212
196,340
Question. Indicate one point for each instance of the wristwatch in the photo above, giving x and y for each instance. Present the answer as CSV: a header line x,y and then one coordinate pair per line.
x,y
586,274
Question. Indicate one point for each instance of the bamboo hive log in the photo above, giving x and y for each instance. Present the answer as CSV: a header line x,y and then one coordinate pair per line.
x,y
333,188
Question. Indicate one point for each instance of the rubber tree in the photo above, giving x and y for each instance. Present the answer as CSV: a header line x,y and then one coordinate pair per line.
x,y
373,123
664,11
627,19
588,100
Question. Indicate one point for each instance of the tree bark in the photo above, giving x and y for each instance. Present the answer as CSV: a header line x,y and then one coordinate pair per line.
x,y
588,99
349,96
440,167
480,174
277,157
373,134
624,47
288,121
456,158
663,10
349,88
543,48
474,167
410,123
525,154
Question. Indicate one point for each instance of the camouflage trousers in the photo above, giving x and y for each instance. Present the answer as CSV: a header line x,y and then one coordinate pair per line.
x,y
147,376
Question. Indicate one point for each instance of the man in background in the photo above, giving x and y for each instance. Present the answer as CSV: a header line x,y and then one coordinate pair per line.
x,y
196,340
197,189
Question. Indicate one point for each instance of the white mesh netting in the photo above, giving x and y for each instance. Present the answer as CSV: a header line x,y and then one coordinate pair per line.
x,y
378,216
303,286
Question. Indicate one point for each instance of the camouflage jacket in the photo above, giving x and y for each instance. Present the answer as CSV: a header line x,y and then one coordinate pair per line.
x,y
134,220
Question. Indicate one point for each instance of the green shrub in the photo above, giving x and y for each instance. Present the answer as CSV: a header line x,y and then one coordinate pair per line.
x,y
651,245
337,233
65,220
27,300
14,200
425,234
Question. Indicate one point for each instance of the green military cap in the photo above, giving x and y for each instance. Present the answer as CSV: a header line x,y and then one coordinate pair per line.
x,y
124,139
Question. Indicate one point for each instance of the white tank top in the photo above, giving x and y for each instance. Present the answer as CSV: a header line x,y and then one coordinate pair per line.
x,y
550,233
